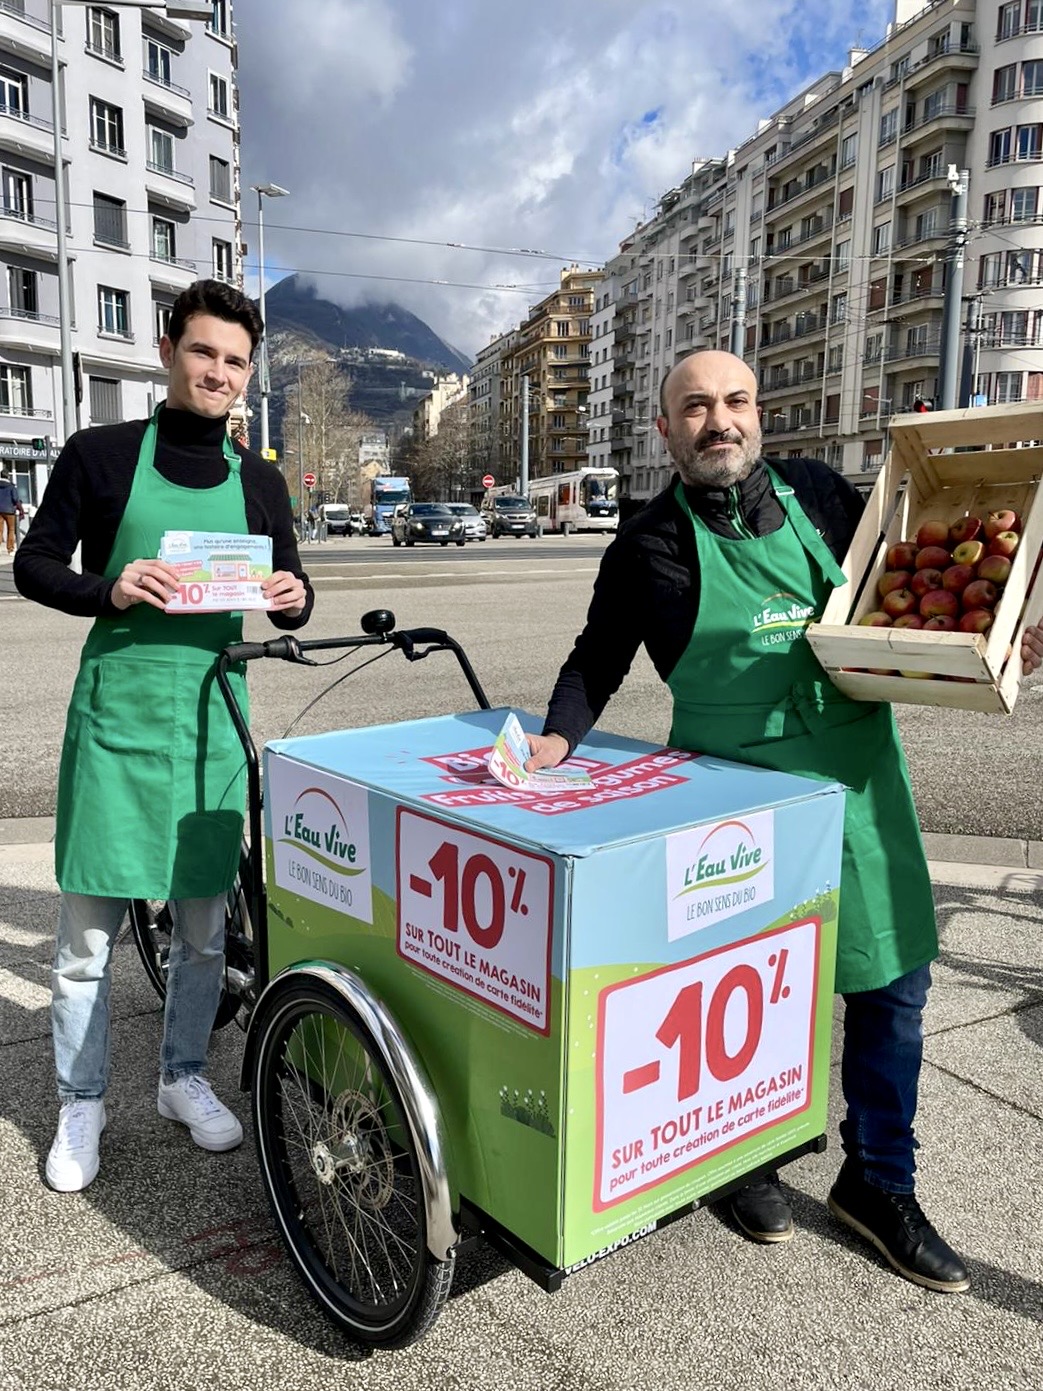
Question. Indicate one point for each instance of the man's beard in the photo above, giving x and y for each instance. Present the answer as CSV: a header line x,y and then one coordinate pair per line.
x,y
703,467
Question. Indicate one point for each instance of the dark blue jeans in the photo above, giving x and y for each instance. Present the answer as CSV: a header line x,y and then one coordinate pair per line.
x,y
880,1072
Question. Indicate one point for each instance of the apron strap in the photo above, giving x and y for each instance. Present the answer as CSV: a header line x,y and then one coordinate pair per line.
x,y
151,437
809,537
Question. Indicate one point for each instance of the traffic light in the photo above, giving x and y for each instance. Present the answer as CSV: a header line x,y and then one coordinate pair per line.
x,y
39,445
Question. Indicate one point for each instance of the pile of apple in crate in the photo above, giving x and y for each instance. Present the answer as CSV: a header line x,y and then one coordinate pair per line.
x,y
943,571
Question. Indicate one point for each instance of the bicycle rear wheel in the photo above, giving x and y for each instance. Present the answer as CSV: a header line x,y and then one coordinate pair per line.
x,y
341,1168
151,926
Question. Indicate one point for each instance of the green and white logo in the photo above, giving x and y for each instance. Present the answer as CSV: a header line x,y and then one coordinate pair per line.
x,y
780,619
718,871
320,837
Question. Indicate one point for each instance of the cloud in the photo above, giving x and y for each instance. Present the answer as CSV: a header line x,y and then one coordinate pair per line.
x,y
551,126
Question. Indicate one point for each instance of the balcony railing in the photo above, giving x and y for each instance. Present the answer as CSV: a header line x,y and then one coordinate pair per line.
x,y
18,11
166,260
31,218
949,108
104,50
16,114
32,316
105,147
943,50
31,412
166,83
170,173
921,347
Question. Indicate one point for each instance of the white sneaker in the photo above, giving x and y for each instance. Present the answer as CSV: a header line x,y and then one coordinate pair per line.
x,y
191,1101
73,1161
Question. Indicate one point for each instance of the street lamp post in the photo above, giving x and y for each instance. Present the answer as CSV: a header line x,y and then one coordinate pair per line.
x,y
264,191
176,9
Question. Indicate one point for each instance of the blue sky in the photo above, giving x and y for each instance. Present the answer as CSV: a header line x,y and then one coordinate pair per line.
x,y
551,126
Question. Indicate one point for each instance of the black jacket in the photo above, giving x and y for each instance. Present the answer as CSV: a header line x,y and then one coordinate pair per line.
x,y
647,590
87,495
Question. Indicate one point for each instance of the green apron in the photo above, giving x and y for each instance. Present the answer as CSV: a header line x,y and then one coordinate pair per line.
x,y
152,779
749,688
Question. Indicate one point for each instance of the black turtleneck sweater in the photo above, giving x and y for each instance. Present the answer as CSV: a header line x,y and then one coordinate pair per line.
x,y
87,495
648,591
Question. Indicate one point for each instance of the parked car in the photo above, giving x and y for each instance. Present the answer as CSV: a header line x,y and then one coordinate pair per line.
x,y
474,522
506,514
426,521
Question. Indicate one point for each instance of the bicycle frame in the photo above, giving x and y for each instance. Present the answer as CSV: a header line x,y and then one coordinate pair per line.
x,y
413,643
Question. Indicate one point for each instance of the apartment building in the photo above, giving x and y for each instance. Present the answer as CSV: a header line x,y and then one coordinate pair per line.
x,y
836,212
149,140
447,391
552,351
489,427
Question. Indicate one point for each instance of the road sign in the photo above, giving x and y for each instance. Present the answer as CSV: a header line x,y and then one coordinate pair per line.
x,y
488,480
309,480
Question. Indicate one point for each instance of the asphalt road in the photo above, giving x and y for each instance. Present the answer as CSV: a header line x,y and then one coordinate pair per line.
x,y
515,605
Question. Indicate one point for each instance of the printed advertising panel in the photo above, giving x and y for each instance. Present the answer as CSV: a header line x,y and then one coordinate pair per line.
x,y
320,837
478,913
695,1057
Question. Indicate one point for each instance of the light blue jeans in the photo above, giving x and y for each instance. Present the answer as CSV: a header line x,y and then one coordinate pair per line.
x,y
87,927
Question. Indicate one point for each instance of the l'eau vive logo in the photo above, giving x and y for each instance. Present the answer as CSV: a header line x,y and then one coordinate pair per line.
x,y
781,618
730,854
317,827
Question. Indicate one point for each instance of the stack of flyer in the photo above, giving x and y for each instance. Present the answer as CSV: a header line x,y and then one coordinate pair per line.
x,y
218,571
507,765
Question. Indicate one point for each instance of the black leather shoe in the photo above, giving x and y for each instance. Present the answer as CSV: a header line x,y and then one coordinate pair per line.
x,y
762,1212
896,1225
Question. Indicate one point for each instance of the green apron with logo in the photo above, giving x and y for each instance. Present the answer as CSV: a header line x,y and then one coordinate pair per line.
x,y
749,688
151,787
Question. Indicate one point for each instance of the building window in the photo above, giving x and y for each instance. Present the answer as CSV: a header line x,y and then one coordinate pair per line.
x,y
158,62
161,320
995,205
110,221
113,311
14,93
1008,387
16,391
1006,82
999,147
220,179
1032,79
103,33
561,328
1023,204
18,194
1033,16
836,359
888,126
561,350
218,22
22,292
1008,20
881,238
927,225
219,105
164,239
105,401
848,151
1029,142
222,259
160,150
107,128
885,182
838,312
842,255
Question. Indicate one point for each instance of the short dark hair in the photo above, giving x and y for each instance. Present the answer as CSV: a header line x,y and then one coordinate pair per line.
x,y
223,302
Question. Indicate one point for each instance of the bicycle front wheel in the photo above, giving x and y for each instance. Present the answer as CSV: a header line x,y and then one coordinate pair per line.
x,y
341,1169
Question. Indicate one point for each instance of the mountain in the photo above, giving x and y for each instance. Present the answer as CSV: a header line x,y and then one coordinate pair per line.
x,y
294,304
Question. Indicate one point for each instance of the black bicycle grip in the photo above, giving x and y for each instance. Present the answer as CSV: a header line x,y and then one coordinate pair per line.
x,y
244,651
422,635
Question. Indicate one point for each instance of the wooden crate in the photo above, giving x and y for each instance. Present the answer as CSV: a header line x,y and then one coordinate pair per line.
x,y
998,464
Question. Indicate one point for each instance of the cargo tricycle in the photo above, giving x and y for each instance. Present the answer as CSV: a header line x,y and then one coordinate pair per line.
x,y
551,1021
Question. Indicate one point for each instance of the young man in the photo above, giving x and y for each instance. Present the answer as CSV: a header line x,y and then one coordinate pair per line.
x,y
11,511
735,529
151,786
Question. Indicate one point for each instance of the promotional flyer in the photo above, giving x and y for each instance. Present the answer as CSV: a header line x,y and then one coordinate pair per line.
x,y
622,993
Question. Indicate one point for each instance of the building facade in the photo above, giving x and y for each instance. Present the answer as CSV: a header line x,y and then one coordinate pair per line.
x,y
149,137
447,390
821,243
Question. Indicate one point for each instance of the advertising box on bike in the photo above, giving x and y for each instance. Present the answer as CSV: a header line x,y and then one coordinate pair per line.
x,y
621,995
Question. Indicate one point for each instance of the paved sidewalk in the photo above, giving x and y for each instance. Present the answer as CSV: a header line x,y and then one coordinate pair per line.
x,y
167,1272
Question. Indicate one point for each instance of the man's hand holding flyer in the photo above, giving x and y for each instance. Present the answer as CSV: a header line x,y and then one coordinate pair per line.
x,y
507,765
218,571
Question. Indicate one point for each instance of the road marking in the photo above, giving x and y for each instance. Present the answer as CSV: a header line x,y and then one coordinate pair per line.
x,y
455,573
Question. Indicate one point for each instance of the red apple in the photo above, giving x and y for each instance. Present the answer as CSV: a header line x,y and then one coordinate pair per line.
x,y
1001,520
979,594
939,603
909,620
976,621
940,623
934,558
925,580
957,577
876,619
1004,543
893,579
933,534
969,552
966,529
995,568
899,601
902,555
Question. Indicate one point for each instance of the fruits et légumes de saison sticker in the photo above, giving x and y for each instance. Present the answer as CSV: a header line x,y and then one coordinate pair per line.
x,y
949,579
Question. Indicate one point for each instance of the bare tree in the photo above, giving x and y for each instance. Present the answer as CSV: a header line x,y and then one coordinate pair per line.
x,y
442,467
330,430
